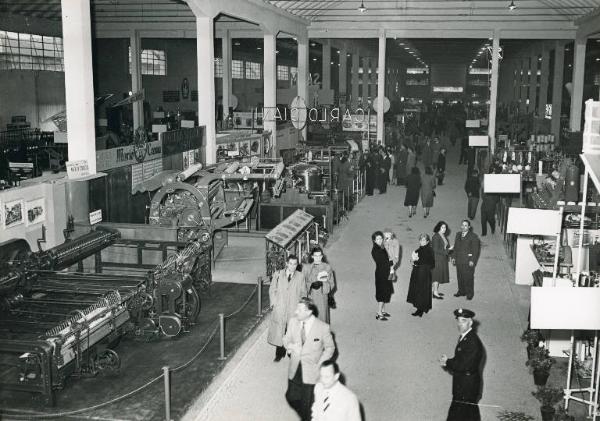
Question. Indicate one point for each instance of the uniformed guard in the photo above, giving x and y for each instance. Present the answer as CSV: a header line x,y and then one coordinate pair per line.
x,y
465,368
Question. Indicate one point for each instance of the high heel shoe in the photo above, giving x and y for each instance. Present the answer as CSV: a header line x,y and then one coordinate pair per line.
x,y
417,313
381,317
386,314
437,297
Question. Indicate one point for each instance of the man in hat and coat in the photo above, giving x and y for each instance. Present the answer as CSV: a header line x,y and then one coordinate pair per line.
x,y
286,289
465,368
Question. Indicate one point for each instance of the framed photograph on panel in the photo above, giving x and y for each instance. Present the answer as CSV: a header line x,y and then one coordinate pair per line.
x,y
479,141
36,211
14,213
502,183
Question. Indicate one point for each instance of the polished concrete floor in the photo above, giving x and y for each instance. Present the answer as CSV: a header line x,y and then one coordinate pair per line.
x,y
393,366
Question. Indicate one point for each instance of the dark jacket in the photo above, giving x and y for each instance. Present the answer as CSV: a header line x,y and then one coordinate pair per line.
x,y
465,367
472,186
488,203
466,249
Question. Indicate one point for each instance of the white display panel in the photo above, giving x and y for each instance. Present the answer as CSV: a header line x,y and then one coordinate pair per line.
x,y
479,141
565,308
502,183
472,123
188,124
533,221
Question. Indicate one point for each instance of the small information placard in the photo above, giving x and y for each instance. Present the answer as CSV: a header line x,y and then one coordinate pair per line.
x,y
77,169
96,217
473,123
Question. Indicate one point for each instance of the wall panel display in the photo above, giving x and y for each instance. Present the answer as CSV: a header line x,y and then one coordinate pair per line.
x,y
36,211
14,213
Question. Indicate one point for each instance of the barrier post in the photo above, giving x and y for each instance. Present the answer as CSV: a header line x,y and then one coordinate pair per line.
x,y
222,336
166,377
259,295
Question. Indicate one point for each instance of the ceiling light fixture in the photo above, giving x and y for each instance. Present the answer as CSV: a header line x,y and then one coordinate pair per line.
x,y
512,6
362,8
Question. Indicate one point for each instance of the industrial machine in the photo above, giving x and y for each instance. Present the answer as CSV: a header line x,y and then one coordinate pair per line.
x,y
56,323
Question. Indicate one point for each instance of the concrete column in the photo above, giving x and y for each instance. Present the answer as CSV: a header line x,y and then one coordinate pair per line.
x,y
533,81
303,73
544,80
343,70
354,83
578,74
270,88
557,88
79,81
365,81
206,84
227,84
326,65
135,44
381,87
494,91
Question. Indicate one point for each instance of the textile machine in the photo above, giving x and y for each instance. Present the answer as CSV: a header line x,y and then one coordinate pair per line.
x,y
56,323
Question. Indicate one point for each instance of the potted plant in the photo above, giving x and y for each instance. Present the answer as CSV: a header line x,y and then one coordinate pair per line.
x,y
533,338
541,363
562,415
548,397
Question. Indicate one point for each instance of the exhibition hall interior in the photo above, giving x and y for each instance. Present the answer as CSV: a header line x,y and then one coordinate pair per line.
x,y
163,161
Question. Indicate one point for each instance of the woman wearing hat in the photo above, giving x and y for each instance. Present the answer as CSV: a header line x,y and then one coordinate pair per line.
x,y
383,285
419,289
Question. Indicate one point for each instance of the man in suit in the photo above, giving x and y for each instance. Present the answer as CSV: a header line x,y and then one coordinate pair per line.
x,y
465,369
287,287
333,400
465,256
309,343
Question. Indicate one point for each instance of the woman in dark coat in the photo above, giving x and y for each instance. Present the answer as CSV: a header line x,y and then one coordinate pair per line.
x,y
427,190
383,285
413,187
384,170
401,165
419,288
441,249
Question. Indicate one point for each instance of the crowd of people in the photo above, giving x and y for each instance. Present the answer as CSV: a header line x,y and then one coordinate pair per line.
x,y
300,295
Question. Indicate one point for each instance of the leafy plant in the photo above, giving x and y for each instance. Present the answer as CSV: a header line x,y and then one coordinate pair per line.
x,y
562,415
531,336
514,416
540,359
548,396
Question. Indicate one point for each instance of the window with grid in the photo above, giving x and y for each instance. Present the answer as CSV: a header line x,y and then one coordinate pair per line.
x,y
283,73
237,69
218,67
154,62
30,52
252,70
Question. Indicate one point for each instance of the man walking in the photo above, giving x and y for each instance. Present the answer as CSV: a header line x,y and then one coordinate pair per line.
x,y
333,400
488,213
287,287
465,256
309,343
465,369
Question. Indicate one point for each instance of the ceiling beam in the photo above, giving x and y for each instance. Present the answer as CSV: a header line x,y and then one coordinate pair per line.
x,y
588,24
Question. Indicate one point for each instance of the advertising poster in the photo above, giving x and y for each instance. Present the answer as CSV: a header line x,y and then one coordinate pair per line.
x,y
36,211
14,213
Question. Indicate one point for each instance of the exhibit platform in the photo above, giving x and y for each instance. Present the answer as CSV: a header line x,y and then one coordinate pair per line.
x,y
142,363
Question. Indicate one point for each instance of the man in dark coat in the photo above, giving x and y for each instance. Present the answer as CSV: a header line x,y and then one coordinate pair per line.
x,y
465,368
465,256
371,169
488,212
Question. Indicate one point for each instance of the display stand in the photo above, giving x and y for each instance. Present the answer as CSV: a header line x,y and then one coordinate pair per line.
x,y
591,160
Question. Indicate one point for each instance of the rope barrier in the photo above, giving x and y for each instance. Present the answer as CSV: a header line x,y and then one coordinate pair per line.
x,y
36,415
